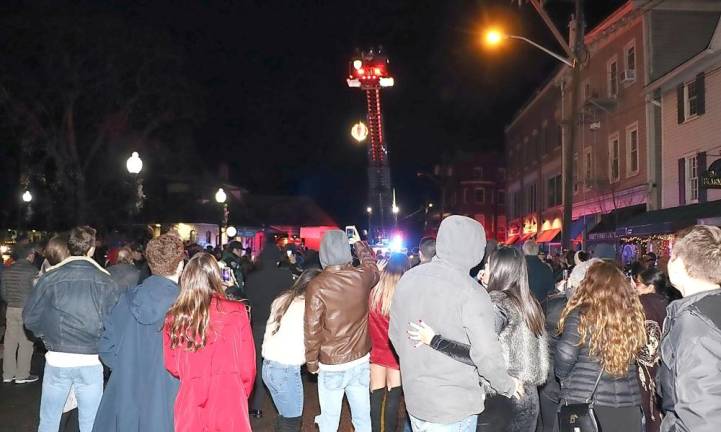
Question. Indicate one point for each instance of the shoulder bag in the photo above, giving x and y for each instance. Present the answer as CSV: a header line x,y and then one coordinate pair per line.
x,y
579,417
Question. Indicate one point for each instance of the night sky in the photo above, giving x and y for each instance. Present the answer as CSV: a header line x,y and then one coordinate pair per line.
x,y
272,76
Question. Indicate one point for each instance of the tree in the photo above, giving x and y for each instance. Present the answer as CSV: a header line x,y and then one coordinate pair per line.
x,y
76,95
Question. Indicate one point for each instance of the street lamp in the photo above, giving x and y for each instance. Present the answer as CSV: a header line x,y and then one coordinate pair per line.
x,y
369,211
493,37
220,198
134,164
27,196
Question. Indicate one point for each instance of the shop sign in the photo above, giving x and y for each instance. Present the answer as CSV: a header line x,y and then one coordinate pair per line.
x,y
712,177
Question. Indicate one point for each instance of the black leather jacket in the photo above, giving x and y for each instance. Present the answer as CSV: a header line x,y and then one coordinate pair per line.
x,y
578,372
688,378
67,306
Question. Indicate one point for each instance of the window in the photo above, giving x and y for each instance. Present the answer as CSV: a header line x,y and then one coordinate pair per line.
x,y
517,200
612,77
692,178
554,190
614,159
629,58
588,167
632,160
691,98
501,173
477,172
531,198
501,200
479,195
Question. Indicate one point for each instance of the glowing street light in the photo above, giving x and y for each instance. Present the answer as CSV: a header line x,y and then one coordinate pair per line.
x,y
369,210
231,231
134,164
494,37
27,196
220,196
359,131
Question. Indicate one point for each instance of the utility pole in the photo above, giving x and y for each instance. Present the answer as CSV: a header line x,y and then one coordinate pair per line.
x,y
576,52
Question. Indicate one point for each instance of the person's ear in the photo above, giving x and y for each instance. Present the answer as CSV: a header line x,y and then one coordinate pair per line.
x,y
91,252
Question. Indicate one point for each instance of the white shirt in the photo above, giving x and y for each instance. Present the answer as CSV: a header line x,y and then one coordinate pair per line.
x,y
61,359
287,346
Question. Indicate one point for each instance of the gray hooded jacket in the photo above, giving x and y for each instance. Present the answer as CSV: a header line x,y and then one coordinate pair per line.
x,y
437,388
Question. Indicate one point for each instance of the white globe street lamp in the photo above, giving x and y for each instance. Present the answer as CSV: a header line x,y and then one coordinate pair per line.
x,y
134,164
220,196
359,131
231,231
27,196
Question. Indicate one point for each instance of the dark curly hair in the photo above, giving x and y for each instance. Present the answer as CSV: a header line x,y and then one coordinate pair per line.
x,y
164,253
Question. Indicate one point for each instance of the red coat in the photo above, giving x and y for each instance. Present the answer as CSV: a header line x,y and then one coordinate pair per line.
x,y
216,380
382,352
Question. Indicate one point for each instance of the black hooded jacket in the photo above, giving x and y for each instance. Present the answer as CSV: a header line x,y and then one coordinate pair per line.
x,y
266,283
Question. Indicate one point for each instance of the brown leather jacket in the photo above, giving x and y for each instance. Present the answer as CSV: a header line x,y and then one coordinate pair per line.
x,y
336,312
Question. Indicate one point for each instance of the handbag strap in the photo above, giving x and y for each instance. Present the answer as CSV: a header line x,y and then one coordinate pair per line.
x,y
595,386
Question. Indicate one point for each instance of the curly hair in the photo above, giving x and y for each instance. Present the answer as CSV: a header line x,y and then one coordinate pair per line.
x,y
611,317
164,254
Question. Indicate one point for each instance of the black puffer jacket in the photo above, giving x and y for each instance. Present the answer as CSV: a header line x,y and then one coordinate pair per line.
x,y
552,308
578,373
688,379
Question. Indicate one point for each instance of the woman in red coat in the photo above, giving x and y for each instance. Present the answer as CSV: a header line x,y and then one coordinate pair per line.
x,y
208,345
385,379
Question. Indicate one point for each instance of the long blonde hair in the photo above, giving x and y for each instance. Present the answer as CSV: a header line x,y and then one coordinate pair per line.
x,y
187,320
611,317
382,293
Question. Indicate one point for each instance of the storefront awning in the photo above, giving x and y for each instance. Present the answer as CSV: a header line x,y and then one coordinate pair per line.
x,y
669,220
605,231
549,236
511,239
526,236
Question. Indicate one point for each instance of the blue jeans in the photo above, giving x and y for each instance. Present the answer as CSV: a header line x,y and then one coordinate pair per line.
x,y
87,382
466,425
286,388
355,384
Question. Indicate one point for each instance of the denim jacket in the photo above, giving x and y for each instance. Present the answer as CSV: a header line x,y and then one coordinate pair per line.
x,y
67,306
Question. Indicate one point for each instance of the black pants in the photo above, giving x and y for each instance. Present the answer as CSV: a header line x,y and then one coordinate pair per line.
x,y
627,419
259,392
503,414
549,413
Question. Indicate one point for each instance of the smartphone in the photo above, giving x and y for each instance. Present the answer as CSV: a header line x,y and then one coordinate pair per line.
x,y
226,274
290,253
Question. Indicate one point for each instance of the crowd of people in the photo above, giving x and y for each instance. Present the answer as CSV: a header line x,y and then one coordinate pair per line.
x,y
172,337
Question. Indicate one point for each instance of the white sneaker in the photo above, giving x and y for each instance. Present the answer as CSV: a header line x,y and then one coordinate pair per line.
x,y
8,381
28,379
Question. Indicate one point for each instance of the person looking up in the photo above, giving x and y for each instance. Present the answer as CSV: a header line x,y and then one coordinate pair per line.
x,y
691,342
385,381
602,332
66,309
337,343
208,345
540,275
16,284
284,353
140,393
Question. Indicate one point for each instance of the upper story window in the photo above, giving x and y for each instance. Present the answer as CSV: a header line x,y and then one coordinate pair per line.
x,y
692,178
501,197
614,159
477,172
612,77
629,60
531,198
555,191
691,98
632,158
588,166
501,173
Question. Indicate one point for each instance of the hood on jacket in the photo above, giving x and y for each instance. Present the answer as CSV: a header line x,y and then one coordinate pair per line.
x,y
334,249
150,301
461,242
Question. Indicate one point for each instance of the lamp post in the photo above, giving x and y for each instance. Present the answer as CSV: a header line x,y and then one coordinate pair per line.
x,y
369,211
220,198
134,165
575,51
395,210
429,206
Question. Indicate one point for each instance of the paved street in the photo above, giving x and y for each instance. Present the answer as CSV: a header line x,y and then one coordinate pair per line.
x,y
19,406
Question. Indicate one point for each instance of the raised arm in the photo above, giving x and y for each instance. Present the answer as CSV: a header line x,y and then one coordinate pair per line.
x,y
368,267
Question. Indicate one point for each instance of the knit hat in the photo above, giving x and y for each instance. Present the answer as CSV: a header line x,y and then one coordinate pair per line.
x,y
578,275
335,249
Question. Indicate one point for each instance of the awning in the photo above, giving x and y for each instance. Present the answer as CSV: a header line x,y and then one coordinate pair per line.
x,y
670,220
606,228
579,225
548,236
511,239
526,236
